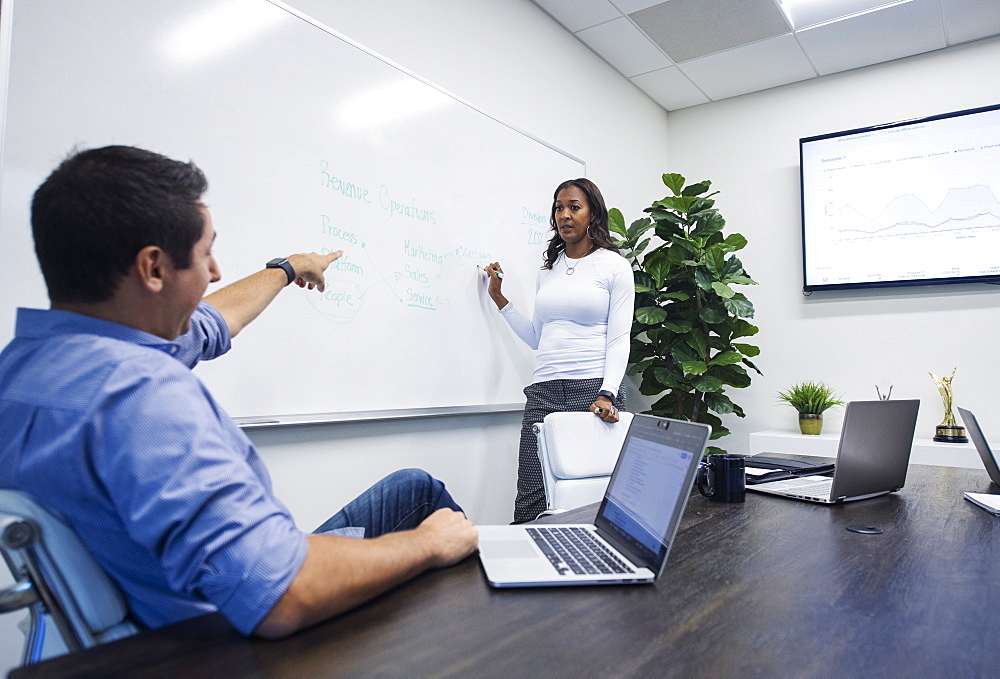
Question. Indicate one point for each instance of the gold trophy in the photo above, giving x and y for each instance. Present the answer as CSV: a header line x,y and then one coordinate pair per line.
x,y
949,431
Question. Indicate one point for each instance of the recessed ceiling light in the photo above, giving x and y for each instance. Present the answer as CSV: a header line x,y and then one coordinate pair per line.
x,y
810,13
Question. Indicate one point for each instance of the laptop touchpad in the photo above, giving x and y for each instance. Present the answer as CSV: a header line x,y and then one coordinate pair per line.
x,y
507,549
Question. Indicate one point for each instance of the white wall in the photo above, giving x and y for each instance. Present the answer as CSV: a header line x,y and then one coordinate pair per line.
x,y
854,340
511,60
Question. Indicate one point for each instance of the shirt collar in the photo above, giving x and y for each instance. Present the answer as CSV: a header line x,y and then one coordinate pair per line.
x,y
47,323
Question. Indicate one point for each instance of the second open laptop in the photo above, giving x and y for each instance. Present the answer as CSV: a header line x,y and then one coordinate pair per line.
x,y
979,440
635,525
874,453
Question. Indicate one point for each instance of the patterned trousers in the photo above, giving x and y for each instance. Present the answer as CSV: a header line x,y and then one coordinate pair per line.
x,y
544,398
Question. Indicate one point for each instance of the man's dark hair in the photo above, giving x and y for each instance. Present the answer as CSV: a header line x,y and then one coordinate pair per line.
x,y
100,207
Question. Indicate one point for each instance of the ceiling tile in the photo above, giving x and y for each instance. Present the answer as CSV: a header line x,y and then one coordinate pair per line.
x,y
883,35
670,88
624,46
805,14
966,20
629,6
687,29
760,66
579,14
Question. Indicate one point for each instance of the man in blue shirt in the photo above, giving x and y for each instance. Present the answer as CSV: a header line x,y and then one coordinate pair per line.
x,y
102,420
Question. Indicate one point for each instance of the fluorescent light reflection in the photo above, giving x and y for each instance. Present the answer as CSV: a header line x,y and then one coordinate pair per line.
x,y
219,29
389,104
812,13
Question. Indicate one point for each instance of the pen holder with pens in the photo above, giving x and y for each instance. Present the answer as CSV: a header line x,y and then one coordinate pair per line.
x,y
723,478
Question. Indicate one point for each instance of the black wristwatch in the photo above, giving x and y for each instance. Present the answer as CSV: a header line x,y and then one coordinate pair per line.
x,y
607,394
282,263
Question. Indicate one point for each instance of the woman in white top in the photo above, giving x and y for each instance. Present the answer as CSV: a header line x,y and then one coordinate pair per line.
x,y
584,299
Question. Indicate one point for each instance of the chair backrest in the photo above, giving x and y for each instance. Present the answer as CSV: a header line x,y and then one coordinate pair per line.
x,y
40,547
578,452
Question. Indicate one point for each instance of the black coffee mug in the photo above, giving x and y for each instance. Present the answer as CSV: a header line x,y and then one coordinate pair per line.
x,y
723,478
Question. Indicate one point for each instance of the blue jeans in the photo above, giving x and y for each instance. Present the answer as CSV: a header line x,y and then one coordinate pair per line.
x,y
400,501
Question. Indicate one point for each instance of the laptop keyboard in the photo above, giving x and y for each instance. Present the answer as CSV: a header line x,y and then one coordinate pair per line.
x,y
819,490
573,549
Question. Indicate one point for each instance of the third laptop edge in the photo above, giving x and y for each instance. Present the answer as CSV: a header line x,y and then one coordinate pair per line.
x,y
979,440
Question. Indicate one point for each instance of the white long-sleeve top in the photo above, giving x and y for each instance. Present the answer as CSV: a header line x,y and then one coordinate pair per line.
x,y
581,322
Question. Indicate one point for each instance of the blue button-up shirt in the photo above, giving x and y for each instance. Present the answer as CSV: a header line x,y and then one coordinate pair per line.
x,y
108,426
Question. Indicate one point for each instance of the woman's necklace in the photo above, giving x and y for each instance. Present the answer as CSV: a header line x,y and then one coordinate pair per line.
x,y
571,269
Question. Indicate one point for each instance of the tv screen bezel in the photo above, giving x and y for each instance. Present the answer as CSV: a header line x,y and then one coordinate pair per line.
x,y
806,287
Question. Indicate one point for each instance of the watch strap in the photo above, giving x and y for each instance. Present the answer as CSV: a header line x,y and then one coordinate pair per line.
x,y
282,263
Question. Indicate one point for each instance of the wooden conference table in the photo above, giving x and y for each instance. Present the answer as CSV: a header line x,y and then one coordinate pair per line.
x,y
771,587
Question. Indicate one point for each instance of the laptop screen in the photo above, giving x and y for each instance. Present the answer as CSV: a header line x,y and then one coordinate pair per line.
x,y
650,487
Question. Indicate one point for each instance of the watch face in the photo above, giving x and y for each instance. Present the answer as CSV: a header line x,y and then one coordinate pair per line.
x,y
276,262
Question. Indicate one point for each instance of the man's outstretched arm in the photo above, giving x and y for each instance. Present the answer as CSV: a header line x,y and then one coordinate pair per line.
x,y
241,302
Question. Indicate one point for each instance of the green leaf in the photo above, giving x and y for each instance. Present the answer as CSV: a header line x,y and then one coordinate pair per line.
x,y
739,305
697,189
639,367
739,280
616,222
747,349
708,223
681,352
703,278
642,246
744,329
715,259
668,379
712,314
723,290
720,403
674,182
639,227
678,203
698,342
726,358
665,218
682,242
707,383
644,279
657,265
679,296
734,242
748,363
733,375
650,315
694,367
643,288
680,327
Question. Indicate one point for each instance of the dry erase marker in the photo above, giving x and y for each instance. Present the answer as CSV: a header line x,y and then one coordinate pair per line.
x,y
498,273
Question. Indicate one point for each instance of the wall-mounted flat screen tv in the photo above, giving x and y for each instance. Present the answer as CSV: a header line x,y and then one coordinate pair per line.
x,y
915,202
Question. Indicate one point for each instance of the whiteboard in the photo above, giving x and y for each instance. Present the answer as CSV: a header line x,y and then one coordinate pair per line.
x,y
310,143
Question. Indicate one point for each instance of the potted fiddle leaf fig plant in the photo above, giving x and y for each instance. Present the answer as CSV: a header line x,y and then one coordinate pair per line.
x,y
690,315
811,400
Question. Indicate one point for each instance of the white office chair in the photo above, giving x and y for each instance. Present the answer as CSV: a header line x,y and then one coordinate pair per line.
x,y
578,452
58,581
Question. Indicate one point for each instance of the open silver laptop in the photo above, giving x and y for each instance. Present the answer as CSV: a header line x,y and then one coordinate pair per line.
x,y
874,453
635,525
979,440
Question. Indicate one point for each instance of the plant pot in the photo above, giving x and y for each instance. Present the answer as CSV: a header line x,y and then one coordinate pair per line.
x,y
810,423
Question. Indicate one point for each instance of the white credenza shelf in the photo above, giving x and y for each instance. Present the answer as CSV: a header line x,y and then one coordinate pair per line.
x,y
925,451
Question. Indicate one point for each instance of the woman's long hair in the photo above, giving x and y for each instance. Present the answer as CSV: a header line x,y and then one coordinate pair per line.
x,y
598,229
